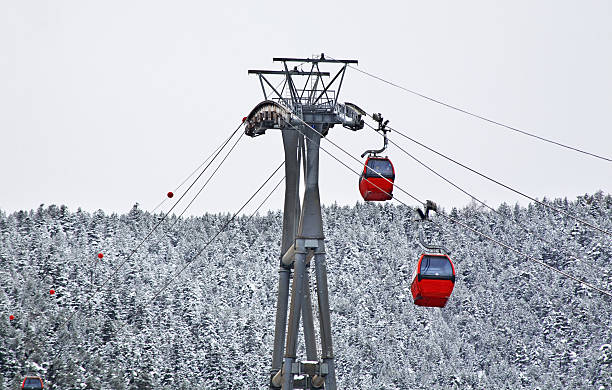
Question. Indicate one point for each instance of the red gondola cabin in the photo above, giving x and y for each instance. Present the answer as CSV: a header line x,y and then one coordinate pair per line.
x,y
376,181
434,280
32,382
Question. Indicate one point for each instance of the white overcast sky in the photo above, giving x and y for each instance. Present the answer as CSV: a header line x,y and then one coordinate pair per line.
x,y
108,103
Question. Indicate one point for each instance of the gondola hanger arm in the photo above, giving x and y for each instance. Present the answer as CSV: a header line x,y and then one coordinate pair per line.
x,y
382,127
424,217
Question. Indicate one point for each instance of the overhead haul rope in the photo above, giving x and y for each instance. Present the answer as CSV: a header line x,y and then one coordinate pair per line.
x,y
266,199
208,180
525,228
576,149
518,252
203,186
436,173
221,145
213,154
556,209
169,281
221,230
484,235
116,270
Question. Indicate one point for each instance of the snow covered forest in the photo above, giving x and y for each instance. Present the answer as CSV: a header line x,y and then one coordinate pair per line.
x,y
510,323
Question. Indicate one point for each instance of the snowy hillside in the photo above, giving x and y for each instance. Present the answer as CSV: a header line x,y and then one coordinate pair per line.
x,y
509,324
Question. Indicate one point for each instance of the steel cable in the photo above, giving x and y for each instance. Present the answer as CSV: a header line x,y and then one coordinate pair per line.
x,y
194,171
208,180
525,228
576,149
221,230
484,235
216,235
558,210
118,268
169,281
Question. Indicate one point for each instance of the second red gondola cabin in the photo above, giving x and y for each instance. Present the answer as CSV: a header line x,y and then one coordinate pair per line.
x,y
434,280
32,382
376,181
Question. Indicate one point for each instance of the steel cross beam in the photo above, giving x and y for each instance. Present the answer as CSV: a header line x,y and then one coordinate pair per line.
x,y
302,244
292,72
320,59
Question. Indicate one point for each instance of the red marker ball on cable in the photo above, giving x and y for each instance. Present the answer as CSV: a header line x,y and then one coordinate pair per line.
x,y
11,317
100,255
170,194
244,119
52,291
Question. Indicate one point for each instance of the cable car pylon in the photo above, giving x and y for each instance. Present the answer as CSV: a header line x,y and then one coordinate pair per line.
x,y
302,239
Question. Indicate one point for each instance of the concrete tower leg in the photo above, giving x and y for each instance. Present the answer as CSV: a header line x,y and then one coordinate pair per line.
x,y
290,225
294,315
325,320
308,322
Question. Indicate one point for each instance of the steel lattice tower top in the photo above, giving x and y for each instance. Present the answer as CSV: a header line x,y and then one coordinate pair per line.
x,y
314,102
